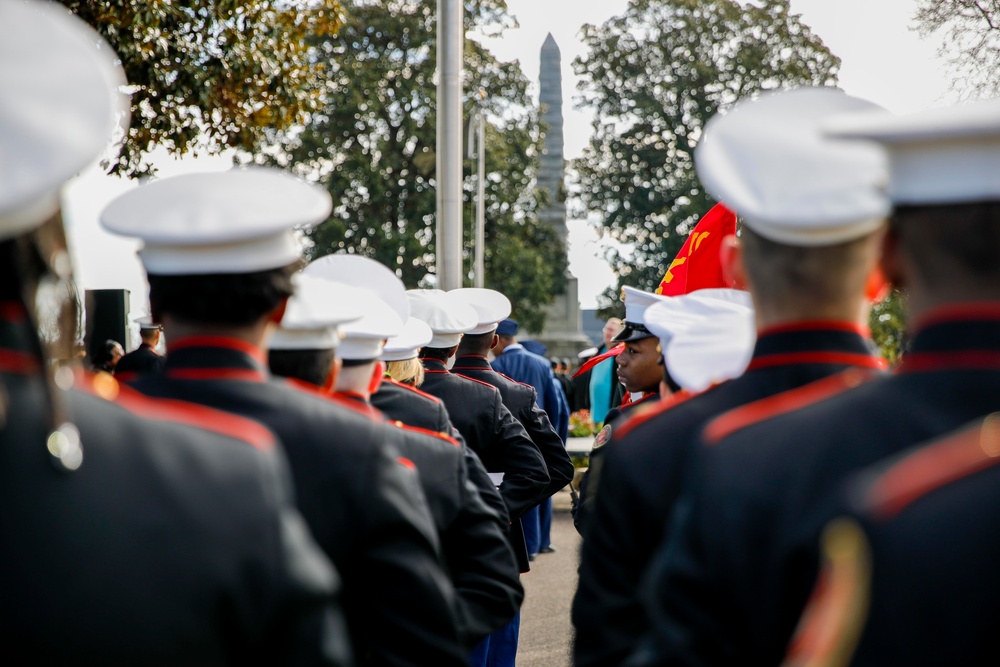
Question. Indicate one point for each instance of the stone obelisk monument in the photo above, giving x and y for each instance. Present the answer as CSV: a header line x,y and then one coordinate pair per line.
x,y
563,333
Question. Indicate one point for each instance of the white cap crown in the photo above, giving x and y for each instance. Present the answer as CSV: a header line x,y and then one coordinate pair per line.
x,y
769,160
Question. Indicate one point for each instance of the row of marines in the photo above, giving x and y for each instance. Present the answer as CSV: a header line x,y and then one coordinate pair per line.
x,y
792,501
268,496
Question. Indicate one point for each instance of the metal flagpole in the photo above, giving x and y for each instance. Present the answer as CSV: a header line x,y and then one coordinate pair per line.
x,y
451,41
481,205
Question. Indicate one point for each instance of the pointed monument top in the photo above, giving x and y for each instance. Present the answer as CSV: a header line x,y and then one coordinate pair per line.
x,y
550,43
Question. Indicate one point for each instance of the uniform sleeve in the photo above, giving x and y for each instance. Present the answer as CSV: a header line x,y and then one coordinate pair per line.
x,y
551,447
480,478
409,613
688,590
525,474
481,563
607,612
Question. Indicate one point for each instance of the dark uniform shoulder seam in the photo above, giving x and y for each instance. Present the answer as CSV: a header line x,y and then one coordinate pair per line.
x,y
178,411
485,384
932,467
784,402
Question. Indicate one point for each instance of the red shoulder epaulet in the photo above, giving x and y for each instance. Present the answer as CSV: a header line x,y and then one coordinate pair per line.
x,y
414,390
17,362
761,410
933,466
485,384
176,411
647,413
523,384
425,431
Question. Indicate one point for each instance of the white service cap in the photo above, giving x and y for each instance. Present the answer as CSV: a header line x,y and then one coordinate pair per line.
x,y
146,323
238,221
448,316
941,156
406,345
366,273
491,307
636,303
706,336
314,312
769,160
61,101
363,339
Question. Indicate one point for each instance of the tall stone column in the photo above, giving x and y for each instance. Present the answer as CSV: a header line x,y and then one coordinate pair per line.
x,y
563,332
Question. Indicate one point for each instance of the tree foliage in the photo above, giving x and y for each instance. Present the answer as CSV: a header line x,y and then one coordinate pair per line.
x,y
654,76
373,145
888,325
971,44
212,73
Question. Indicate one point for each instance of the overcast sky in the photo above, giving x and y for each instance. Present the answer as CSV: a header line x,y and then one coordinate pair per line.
x,y
882,61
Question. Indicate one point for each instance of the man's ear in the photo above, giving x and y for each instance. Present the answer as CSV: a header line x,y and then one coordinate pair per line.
x,y
275,316
731,256
496,339
378,372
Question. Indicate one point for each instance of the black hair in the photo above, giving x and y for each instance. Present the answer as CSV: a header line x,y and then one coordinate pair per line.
x,y
951,242
312,366
233,299
476,343
439,353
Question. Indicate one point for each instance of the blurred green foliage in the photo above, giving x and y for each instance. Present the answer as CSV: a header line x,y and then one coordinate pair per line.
x,y
212,74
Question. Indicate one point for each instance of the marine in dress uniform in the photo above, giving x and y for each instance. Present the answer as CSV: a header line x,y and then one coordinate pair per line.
x,y
909,571
131,536
754,569
490,430
640,369
476,552
521,399
145,358
401,402
218,283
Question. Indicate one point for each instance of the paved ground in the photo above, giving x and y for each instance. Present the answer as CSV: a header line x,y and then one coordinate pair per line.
x,y
546,632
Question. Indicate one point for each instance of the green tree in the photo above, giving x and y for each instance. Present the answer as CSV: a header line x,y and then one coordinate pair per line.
x,y
211,73
653,77
971,41
373,145
888,324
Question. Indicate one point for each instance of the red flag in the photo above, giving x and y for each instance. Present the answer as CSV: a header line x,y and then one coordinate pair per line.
x,y
598,358
698,265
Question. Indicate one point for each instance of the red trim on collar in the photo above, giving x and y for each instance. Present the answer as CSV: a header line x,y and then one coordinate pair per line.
x,y
958,312
414,390
178,411
974,360
12,311
19,363
760,410
790,358
668,402
817,325
226,342
247,374
932,467
473,368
